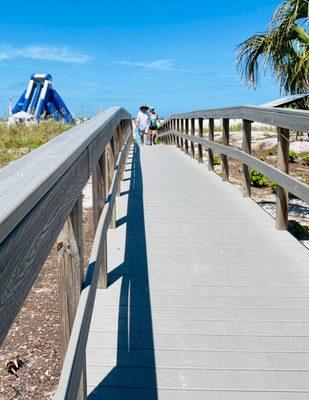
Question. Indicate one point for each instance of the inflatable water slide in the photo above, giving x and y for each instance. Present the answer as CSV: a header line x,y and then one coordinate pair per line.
x,y
40,101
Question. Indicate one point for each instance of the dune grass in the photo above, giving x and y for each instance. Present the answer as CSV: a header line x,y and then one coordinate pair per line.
x,y
18,140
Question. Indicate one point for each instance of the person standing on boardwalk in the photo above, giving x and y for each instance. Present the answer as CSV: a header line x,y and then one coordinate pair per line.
x,y
143,122
153,128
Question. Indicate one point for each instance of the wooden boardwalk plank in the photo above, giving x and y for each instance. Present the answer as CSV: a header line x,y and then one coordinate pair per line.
x,y
206,299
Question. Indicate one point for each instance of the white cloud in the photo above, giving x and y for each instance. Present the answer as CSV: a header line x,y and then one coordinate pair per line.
x,y
165,65
39,52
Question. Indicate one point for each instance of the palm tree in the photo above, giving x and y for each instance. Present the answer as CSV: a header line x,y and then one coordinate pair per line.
x,y
284,48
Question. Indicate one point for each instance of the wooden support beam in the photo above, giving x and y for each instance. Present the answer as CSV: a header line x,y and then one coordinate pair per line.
x,y
225,141
246,147
211,136
71,274
187,133
200,134
192,133
282,197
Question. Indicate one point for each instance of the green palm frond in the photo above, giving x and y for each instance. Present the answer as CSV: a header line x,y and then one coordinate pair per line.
x,y
284,48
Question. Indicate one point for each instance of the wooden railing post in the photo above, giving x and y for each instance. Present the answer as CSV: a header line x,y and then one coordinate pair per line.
x,y
71,267
175,136
99,188
177,129
282,197
122,170
181,130
99,193
169,128
200,134
111,160
225,141
211,136
192,133
187,133
246,147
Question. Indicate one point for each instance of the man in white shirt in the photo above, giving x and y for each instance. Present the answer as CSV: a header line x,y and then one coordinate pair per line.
x,y
143,122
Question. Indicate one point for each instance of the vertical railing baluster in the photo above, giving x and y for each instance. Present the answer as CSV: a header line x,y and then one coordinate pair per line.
x,y
225,141
282,196
211,136
111,161
182,131
192,144
246,147
187,133
200,134
177,129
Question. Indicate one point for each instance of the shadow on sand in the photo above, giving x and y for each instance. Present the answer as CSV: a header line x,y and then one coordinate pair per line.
x,y
134,376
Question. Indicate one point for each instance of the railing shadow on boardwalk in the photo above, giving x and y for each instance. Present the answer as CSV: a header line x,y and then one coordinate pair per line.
x,y
133,321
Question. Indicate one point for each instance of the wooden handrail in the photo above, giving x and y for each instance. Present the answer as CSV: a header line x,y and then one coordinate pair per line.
x,y
24,182
73,364
37,194
283,117
293,185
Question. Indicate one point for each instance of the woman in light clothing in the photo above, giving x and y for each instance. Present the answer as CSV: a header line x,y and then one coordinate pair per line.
x,y
153,128
143,122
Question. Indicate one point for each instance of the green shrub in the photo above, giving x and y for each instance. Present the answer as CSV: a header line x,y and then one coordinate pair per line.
x,y
273,186
217,161
271,151
298,230
257,179
262,157
305,159
293,156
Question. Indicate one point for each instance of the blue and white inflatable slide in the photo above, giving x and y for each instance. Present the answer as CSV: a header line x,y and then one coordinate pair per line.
x,y
41,100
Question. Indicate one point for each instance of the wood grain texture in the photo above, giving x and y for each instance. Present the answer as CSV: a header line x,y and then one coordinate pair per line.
x,y
193,134
182,131
24,182
71,266
225,142
24,251
211,137
177,129
187,135
246,147
200,133
99,177
32,220
282,195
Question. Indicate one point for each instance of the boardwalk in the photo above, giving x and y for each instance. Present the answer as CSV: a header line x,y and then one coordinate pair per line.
x,y
207,300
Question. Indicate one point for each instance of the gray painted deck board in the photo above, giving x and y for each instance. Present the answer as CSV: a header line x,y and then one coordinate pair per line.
x,y
207,300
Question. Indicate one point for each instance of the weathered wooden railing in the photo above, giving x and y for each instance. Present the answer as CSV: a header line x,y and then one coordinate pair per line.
x,y
41,200
175,130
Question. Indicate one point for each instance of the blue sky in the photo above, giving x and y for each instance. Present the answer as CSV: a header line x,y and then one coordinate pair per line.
x,y
175,55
